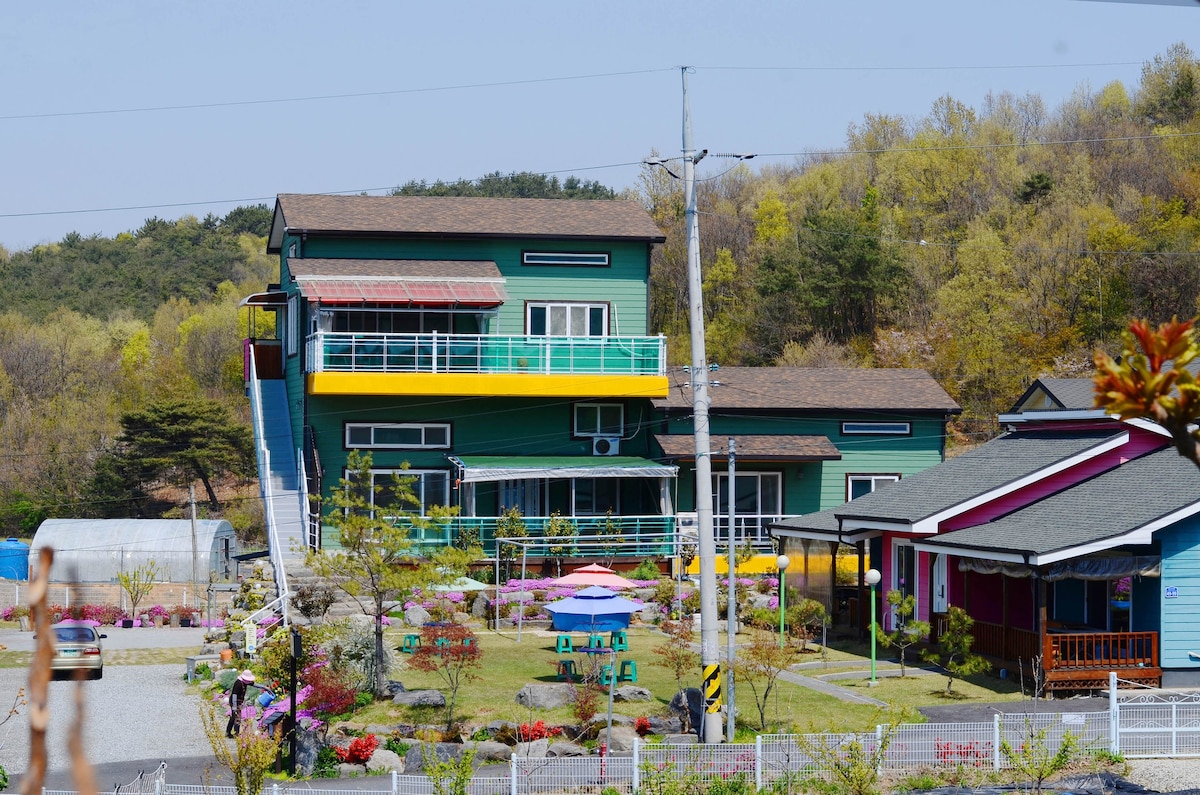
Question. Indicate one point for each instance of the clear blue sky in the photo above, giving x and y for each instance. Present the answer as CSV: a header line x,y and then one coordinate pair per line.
x,y
459,89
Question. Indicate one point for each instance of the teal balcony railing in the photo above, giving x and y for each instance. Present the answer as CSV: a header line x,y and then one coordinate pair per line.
x,y
627,537
480,353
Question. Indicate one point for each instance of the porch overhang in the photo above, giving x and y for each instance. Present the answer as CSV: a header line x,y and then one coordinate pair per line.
x,y
822,526
400,282
275,298
752,447
492,468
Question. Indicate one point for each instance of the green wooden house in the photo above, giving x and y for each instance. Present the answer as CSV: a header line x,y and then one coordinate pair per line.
x,y
498,348
805,439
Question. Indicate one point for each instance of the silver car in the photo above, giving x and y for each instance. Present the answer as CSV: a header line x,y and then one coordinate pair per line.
x,y
77,648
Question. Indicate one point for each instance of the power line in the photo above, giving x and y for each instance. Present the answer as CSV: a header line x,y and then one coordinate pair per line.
x,y
324,97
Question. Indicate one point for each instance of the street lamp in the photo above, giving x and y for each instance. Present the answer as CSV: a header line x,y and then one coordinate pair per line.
x,y
872,578
782,562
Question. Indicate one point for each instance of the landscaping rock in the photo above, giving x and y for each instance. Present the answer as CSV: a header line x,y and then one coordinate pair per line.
x,y
488,751
519,597
378,730
416,615
688,705
680,739
393,687
550,696
383,759
566,749
420,698
601,719
665,725
480,607
347,770
414,760
536,749
631,693
650,612
497,725
620,742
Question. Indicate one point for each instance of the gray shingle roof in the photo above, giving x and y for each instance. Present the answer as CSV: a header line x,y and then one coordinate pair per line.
x,y
1108,506
461,216
1000,462
818,389
753,447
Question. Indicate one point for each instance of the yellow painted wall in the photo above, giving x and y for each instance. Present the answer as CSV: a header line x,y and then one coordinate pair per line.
x,y
488,385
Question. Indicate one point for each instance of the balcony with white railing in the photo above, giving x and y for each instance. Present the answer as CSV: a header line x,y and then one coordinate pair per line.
x,y
349,352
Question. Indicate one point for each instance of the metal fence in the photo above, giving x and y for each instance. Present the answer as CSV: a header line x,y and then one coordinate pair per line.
x,y
1144,723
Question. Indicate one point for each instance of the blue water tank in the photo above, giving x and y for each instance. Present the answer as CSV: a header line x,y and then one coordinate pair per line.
x,y
14,560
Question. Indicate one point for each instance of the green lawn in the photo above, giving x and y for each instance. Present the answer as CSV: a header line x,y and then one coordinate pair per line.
x,y
507,665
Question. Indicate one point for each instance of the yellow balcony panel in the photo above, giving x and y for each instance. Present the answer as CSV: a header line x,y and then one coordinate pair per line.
x,y
489,385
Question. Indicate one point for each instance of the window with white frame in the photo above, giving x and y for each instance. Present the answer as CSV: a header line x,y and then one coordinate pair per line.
x,y
292,324
398,435
757,501
590,259
595,496
876,428
567,319
429,487
599,419
858,485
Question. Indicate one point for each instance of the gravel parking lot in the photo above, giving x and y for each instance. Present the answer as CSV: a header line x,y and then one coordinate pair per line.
x,y
134,712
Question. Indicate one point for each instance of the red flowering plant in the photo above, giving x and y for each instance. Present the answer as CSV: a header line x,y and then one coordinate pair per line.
x,y
360,750
538,730
642,726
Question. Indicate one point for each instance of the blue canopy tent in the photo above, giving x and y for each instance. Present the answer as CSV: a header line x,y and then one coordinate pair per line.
x,y
593,609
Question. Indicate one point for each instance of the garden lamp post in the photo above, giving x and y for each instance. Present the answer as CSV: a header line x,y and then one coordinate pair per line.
x,y
872,578
782,562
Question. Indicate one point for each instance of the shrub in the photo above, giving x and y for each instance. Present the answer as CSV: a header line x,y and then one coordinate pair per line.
x,y
326,764
331,694
538,730
642,726
360,750
15,612
397,746
646,570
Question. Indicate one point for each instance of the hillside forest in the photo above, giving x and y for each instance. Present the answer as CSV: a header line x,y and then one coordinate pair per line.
x,y
988,245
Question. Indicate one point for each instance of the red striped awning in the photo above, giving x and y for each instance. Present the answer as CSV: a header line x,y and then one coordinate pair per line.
x,y
415,292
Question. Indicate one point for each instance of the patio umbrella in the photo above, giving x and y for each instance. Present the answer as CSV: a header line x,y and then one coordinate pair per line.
x,y
593,609
463,584
594,574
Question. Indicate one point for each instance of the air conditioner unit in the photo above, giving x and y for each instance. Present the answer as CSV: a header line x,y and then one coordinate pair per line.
x,y
606,445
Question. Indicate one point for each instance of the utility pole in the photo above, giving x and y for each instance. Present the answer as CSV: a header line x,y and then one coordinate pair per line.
x,y
710,660
731,599
195,551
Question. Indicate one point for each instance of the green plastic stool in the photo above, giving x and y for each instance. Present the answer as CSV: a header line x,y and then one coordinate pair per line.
x,y
618,641
564,645
411,644
628,671
566,670
595,642
606,675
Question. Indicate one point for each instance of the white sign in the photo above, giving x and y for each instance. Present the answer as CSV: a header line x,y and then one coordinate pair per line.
x,y
251,636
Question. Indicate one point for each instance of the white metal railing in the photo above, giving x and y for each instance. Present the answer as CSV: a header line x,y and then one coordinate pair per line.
x,y
280,603
771,758
329,351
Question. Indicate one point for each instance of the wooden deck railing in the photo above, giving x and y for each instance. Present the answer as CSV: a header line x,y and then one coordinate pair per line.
x,y
1103,650
1070,660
